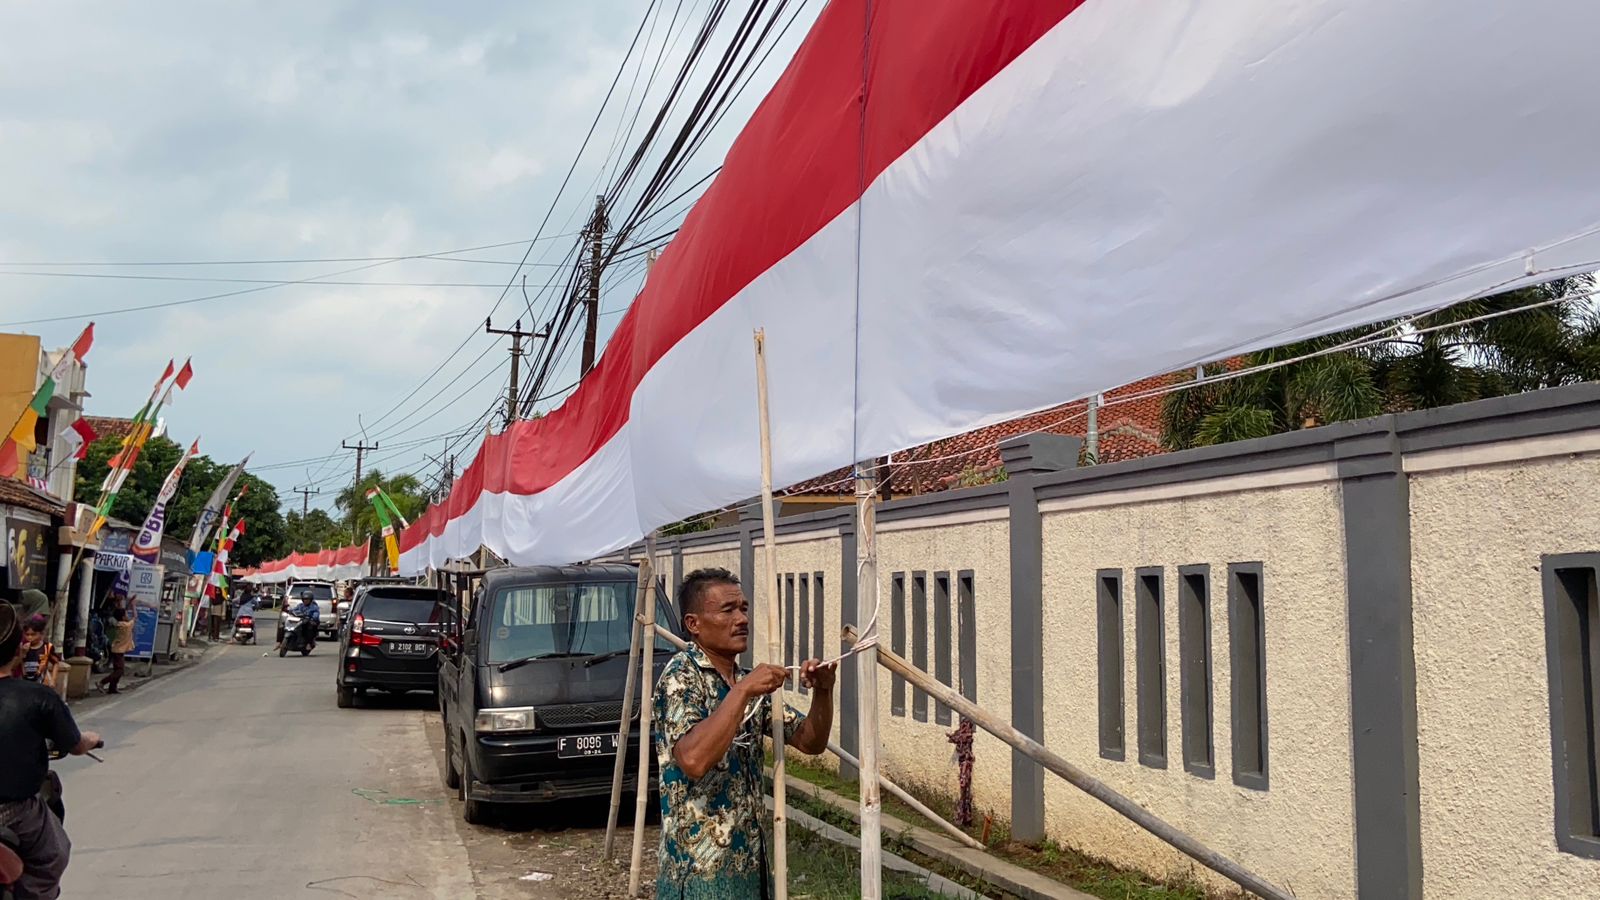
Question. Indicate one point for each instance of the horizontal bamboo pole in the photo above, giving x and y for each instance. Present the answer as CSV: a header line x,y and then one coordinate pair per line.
x,y
1080,779
921,808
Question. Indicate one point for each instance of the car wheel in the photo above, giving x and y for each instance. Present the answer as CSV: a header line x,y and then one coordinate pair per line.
x,y
452,775
347,697
474,812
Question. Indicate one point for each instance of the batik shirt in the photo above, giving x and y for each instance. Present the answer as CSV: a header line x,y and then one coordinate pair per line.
x,y
713,838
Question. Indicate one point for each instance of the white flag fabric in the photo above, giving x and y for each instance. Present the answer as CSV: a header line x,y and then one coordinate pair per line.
x,y
1039,200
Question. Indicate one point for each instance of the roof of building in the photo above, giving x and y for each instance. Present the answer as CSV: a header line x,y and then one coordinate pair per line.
x,y
21,495
109,426
1130,428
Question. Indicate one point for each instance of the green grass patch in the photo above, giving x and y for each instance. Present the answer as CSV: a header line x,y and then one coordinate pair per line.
x,y
1064,864
819,869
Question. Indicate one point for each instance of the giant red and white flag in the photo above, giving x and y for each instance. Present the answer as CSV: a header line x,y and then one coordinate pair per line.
x,y
946,214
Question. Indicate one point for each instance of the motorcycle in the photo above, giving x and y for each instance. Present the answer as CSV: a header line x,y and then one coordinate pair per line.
x,y
11,864
298,634
244,630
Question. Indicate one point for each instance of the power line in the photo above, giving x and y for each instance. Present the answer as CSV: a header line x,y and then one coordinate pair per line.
x,y
444,254
275,281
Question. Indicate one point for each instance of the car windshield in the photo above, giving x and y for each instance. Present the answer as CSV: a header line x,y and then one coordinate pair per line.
x,y
397,606
559,620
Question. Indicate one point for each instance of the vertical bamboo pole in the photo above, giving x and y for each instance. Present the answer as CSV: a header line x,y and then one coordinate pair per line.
x,y
867,683
769,588
647,662
626,726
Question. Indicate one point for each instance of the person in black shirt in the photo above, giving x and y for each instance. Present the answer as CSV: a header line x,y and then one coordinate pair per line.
x,y
30,715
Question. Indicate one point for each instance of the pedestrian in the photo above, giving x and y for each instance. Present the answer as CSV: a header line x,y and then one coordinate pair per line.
x,y
30,715
713,717
39,657
34,603
219,614
121,646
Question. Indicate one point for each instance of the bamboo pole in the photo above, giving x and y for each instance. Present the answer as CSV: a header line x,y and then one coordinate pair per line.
x,y
867,684
1080,779
888,785
769,552
647,661
626,726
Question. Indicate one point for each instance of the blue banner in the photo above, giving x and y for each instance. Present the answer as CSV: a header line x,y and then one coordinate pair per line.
x,y
144,588
202,563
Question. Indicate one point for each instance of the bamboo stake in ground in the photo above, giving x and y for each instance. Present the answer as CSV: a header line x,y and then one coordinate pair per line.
x,y
620,764
1080,779
848,759
647,670
769,589
867,684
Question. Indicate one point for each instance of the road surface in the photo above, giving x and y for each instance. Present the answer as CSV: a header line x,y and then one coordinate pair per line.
x,y
240,779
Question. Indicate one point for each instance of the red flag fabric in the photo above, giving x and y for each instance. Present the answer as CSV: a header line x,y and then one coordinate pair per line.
x,y
184,374
85,340
167,374
80,434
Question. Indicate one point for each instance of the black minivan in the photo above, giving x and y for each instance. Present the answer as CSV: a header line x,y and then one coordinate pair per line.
x,y
389,641
531,680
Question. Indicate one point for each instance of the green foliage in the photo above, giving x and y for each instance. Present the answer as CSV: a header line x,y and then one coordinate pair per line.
x,y
972,476
315,531
405,490
689,526
264,537
1463,360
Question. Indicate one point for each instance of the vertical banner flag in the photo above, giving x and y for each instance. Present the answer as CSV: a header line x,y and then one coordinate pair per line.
x,y
147,546
208,514
77,437
388,514
219,568
20,439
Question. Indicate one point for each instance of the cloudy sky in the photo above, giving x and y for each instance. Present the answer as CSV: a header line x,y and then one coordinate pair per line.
x,y
261,134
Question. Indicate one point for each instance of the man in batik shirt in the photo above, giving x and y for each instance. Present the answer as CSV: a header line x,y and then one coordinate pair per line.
x,y
711,718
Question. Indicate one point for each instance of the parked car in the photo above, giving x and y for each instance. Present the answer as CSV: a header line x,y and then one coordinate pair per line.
x,y
531,683
390,642
322,593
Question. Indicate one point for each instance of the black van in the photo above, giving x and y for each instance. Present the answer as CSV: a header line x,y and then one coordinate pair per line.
x,y
531,679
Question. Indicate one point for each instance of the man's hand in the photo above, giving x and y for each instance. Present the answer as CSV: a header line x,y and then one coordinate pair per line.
x,y
89,741
763,680
818,677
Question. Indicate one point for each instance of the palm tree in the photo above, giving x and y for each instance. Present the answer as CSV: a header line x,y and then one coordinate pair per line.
x,y
405,490
1447,357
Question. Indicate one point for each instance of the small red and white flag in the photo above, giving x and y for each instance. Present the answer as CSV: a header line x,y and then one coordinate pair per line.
x,y
78,436
184,374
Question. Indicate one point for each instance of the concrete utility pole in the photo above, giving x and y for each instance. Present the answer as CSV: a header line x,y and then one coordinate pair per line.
x,y
360,447
516,334
305,497
591,303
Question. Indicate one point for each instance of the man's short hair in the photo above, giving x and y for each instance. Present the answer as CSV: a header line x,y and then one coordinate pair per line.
x,y
10,633
698,584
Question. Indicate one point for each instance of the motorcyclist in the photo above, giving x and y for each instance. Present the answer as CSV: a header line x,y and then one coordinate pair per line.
x,y
308,609
30,715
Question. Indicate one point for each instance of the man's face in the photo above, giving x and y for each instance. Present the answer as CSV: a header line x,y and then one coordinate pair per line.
x,y
723,623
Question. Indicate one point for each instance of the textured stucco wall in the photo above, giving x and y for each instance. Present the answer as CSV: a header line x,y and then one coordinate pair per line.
x,y
1300,832
727,558
1483,704
919,751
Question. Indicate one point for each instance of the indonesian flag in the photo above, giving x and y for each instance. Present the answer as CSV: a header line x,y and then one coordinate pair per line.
x,y
77,437
949,214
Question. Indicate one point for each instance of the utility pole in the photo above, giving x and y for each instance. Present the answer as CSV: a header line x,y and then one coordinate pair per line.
x,y
360,447
516,334
591,324
305,499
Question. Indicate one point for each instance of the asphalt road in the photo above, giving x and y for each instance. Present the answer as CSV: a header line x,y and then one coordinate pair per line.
x,y
240,779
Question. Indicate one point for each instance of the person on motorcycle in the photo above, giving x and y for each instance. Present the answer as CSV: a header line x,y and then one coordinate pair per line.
x,y
30,715
306,610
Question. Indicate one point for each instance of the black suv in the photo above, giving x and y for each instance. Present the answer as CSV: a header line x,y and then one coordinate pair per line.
x,y
390,641
531,681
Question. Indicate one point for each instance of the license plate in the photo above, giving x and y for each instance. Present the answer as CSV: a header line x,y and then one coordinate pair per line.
x,y
408,648
586,745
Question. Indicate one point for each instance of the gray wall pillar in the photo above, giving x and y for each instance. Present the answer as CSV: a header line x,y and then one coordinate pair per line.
x,y
1026,458
849,614
677,570
1383,675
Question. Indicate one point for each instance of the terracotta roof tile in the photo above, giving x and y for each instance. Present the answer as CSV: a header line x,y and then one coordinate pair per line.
x,y
109,426
16,493
1129,429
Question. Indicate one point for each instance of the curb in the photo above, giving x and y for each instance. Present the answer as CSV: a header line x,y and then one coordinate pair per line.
x,y
187,658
